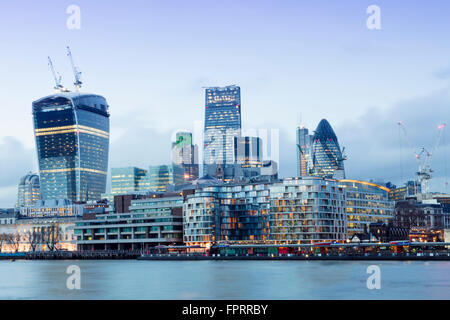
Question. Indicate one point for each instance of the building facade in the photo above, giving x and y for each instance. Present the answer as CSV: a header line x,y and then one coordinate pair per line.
x,y
38,234
72,142
366,203
231,212
185,155
304,140
307,210
152,220
159,177
326,156
426,215
53,208
410,189
29,190
127,180
222,125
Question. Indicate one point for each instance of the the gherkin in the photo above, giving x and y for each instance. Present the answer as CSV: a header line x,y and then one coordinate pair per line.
x,y
326,155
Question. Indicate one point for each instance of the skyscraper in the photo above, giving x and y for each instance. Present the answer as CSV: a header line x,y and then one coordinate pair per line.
x,y
222,124
127,180
303,151
29,191
185,155
326,160
248,151
72,141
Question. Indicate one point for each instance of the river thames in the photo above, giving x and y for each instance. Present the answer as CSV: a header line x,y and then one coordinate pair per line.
x,y
130,279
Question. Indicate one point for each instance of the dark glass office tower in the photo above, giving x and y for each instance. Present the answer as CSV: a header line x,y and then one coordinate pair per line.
x,y
327,160
222,124
72,141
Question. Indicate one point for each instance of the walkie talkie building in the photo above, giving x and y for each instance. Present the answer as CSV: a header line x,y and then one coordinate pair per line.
x,y
72,142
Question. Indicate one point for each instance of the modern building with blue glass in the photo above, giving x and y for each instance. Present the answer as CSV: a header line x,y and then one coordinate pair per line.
x,y
72,140
326,158
222,125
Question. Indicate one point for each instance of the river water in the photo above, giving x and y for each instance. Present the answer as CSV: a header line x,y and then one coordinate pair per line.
x,y
129,279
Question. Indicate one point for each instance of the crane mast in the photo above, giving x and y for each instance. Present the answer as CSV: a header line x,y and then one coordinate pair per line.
x,y
57,77
76,71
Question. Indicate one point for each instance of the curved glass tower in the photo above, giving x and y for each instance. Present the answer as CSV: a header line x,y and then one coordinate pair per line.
x,y
72,142
326,160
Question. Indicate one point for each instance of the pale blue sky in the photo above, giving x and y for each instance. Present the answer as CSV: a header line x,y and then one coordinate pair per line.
x,y
292,59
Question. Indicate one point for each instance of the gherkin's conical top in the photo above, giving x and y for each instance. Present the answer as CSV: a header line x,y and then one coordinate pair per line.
x,y
324,131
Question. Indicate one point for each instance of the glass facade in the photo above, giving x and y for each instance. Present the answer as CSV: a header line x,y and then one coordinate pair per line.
x,y
326,156
126,180
222,124
366,203
72,140
29,191
158,177
303,151
248,151
227,213
307,210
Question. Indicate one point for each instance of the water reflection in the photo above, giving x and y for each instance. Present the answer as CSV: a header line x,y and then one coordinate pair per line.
x,y
223,280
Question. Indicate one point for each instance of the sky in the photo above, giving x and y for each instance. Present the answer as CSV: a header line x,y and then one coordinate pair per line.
x,y
296,62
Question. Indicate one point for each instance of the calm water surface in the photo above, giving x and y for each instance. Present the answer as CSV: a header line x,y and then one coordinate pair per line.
x,y
224,280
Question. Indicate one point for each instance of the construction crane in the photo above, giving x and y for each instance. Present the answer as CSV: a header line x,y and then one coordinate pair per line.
x,y
58,86
423,157
76,71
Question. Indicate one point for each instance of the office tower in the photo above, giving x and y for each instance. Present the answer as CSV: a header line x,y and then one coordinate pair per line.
x,y
185,155
303,151
127,180
72,141
159,177
366,203
248,151
29,191
222,124
327,160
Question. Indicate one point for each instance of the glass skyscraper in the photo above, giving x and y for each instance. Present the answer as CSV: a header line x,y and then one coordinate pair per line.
x,y
303,151
326,156
222,124
127,180
72,141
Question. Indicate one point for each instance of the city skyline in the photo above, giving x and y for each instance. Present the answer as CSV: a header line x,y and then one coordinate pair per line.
x,y
135,118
